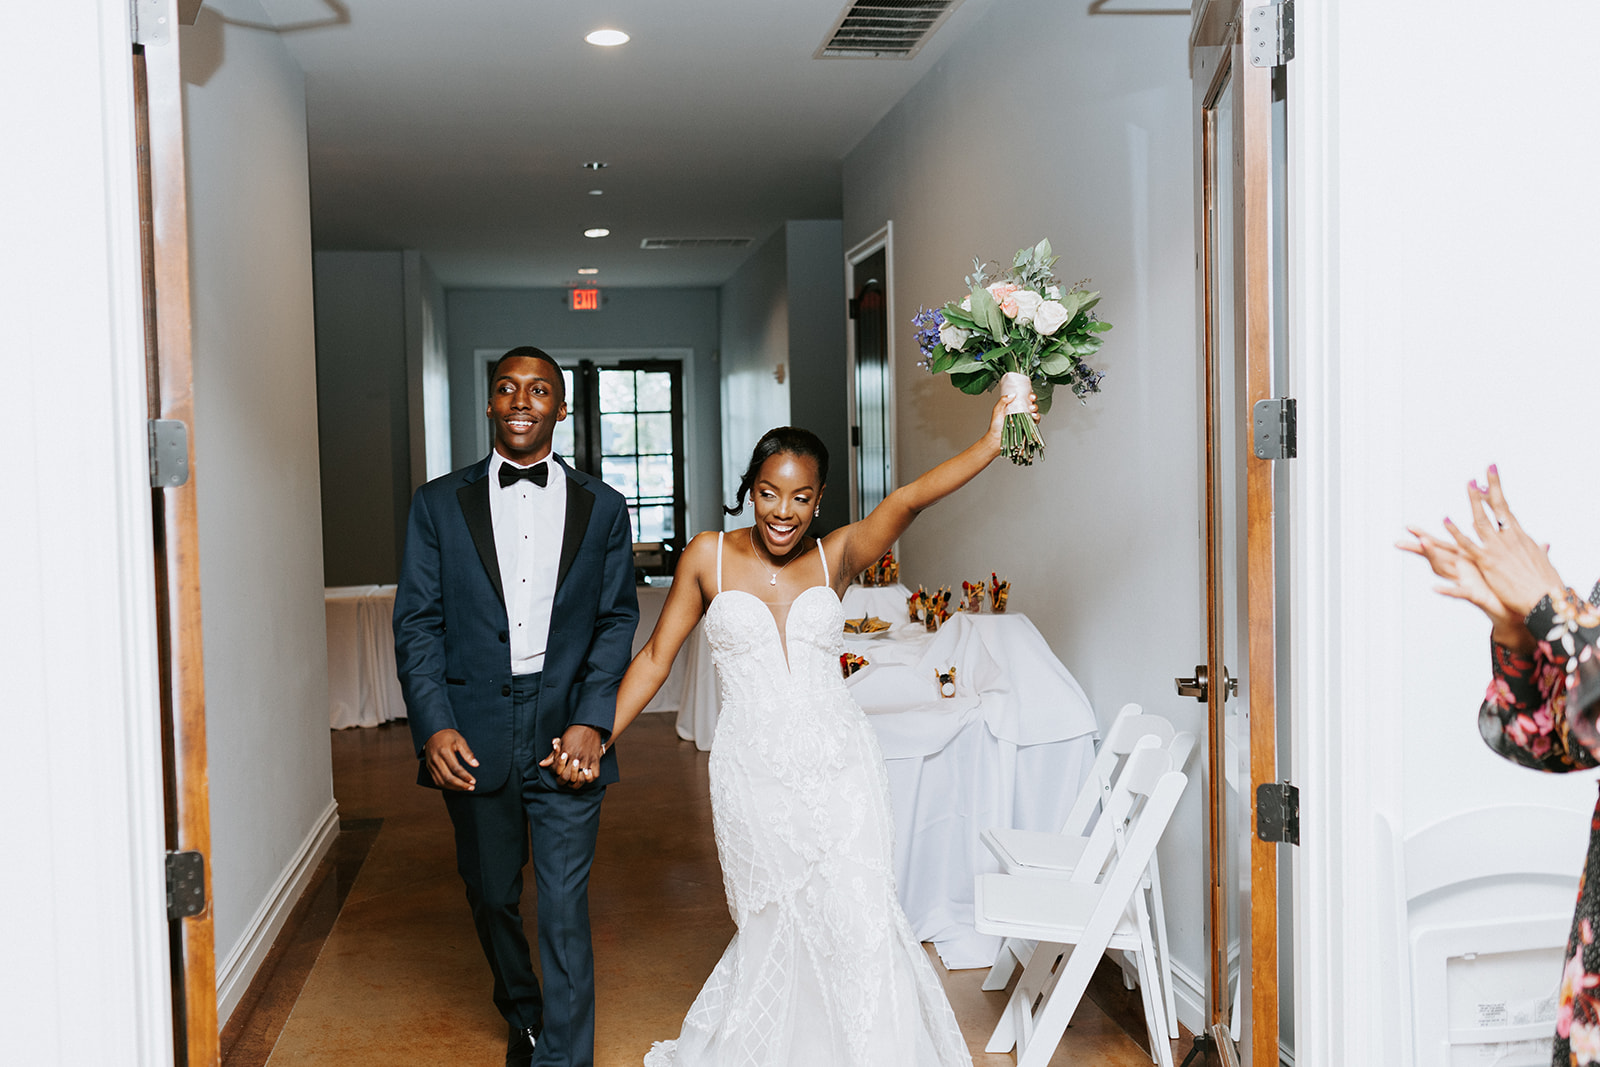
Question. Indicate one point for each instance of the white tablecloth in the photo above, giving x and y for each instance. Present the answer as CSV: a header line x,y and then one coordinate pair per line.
x,y
1009,749
670,696
363,687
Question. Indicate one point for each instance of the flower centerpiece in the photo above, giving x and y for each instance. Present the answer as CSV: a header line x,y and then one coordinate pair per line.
x,y
1022,330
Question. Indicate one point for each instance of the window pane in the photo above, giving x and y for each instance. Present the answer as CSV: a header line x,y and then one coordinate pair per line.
x,y
655,391
616,390
621,475
654,523
655,476
655,433
616,435
563,441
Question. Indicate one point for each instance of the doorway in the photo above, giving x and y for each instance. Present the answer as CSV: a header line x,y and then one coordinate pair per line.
x,y
871,381
1248,439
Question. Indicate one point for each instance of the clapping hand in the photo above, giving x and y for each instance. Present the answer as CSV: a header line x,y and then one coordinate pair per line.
x,y
1502,570
575,755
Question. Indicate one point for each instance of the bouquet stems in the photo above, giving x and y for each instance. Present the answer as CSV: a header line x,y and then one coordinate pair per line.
x,y
1019,434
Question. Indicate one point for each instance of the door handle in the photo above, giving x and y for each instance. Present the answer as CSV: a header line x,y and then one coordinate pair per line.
x,y
1198,687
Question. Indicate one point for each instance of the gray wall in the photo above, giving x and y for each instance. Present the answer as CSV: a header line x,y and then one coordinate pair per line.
x,y
363,413
1102,531
628,319
755,359
256,468
785,309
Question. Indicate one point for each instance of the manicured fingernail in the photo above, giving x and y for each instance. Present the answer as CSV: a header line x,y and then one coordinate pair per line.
x,y
1494,470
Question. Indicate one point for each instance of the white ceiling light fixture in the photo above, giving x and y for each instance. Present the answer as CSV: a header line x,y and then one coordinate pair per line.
x,y
597,192
588,270
597,231
594,164
607,38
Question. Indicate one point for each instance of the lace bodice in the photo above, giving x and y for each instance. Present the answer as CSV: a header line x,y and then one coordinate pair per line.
x,y
758,661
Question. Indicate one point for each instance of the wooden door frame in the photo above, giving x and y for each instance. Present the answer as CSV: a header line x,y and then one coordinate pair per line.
x,y
883,239
157,72
1217,61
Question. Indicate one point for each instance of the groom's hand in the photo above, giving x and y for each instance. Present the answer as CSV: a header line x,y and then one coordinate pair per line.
x,y
447,756
576,755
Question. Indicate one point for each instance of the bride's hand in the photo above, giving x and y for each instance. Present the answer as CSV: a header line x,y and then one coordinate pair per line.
x,y
997,418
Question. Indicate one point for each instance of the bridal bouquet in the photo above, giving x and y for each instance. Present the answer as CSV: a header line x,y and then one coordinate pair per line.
x,y
1022,330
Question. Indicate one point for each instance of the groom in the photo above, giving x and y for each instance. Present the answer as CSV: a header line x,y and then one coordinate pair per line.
x,y
513,623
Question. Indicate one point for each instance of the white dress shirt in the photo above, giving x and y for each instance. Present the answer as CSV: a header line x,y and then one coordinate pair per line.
x,y
528,524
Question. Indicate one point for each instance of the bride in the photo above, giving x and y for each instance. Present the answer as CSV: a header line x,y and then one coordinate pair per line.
x,y
824,968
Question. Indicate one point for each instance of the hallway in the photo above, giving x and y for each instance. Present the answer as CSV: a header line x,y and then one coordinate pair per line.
x,y
379,964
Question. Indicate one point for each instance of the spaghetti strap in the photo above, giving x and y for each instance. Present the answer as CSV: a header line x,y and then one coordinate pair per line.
x,y
827,579
719,563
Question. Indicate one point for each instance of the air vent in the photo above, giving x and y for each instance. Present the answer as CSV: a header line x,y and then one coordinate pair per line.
x,y
884,29
658,243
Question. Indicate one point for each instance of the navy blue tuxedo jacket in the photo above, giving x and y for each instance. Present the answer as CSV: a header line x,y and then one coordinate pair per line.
x,y
451,632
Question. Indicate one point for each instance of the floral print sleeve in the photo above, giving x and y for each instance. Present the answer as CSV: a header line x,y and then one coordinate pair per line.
x,y
1543,710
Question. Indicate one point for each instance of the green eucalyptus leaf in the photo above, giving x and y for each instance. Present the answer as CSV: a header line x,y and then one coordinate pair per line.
x,y
1055,363
973,382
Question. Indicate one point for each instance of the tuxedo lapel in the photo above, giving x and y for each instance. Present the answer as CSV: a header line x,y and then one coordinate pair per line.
x,y
580,505
474,500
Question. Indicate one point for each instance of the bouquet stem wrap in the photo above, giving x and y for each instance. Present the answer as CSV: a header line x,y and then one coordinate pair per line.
x,y
1019,438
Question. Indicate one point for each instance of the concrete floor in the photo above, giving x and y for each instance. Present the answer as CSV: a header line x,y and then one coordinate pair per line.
x,y
379,964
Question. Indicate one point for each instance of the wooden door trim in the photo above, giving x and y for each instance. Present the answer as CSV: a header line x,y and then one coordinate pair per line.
x,y
177,548
1255,113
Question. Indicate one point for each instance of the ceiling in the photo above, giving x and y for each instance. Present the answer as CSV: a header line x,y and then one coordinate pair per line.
x,y
461,129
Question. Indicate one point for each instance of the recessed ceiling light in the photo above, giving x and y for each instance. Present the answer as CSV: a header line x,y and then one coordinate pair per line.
x,y
595,164
607,38
597,192
597,231
588,270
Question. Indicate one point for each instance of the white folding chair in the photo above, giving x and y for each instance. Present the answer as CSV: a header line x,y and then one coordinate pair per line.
x,y
1076,920
1038,852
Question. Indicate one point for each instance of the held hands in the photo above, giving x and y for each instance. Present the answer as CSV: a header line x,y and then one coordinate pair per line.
x,y
1504,572
447,756
575,755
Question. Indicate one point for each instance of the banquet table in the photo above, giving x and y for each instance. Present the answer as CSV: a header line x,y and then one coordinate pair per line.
x,y
652,598
1009,749
363,688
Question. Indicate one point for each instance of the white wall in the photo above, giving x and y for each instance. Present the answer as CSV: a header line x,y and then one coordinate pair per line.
x,y
256,464
83,931
1049,122
755,360
1443,248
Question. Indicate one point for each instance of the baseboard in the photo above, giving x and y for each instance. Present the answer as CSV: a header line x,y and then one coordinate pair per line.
x,y
235,972
1190,991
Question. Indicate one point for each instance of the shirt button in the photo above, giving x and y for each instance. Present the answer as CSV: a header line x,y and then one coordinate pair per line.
x,y
505,690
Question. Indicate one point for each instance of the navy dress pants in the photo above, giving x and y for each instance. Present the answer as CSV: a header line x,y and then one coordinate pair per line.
x,y
493,835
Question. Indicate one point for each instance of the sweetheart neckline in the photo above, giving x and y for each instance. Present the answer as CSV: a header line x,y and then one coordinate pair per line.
x,y
782,632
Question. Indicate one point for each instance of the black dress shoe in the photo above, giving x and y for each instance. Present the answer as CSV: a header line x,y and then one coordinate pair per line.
x,y
519,1046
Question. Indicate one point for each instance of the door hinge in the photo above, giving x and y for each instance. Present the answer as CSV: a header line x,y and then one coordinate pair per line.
x,y
1271,34
1274,428
855,307
152,21
169,453
1278,812
855,436
186,884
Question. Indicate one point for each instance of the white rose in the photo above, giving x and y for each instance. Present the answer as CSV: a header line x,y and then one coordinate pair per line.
x,y
953,337
966,303
1050,317
1028,303
1053,293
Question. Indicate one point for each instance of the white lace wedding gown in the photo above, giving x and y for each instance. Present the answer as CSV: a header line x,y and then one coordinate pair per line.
x,y
824,970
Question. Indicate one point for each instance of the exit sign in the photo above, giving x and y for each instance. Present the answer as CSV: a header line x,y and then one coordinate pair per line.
x,y
585,300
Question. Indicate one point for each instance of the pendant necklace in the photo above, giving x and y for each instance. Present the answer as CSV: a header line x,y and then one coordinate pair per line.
x,y
773,580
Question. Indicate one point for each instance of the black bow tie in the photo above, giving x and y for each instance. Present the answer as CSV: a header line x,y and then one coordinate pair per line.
x,y
538,474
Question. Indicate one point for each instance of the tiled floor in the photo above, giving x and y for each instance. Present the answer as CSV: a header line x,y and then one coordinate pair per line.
x,y
380,966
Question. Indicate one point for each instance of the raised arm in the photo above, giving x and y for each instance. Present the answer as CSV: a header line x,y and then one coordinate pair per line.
x,y
867,540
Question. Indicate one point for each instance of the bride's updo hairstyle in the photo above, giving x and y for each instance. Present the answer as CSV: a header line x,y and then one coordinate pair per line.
x,y
791,440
